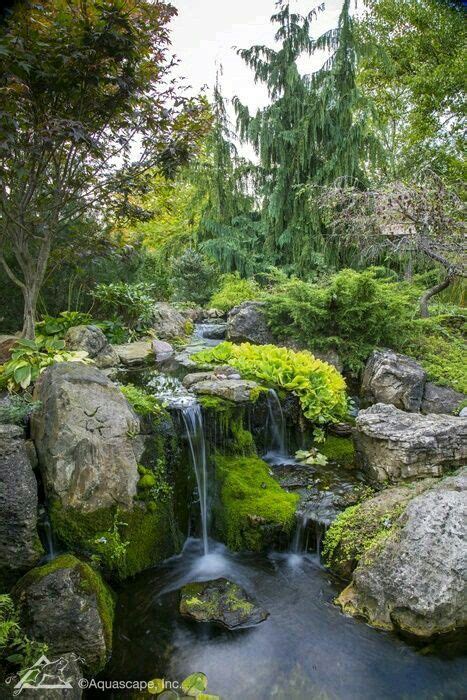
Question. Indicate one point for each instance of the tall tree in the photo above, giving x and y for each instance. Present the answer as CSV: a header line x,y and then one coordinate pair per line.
x,y
314,130
80,83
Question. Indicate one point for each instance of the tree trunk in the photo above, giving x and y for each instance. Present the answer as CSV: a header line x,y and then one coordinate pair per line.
x,y
425,298
29,313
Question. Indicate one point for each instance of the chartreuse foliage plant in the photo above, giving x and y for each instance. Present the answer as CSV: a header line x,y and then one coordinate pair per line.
x,y
29,358
320,387
233,291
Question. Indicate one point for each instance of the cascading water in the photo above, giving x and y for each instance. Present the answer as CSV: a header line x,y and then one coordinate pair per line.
x,y
276,433
193,420
300,540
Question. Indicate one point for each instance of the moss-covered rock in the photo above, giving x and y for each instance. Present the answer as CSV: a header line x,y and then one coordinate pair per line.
x,y
361,527
254,511
338,449
222,602
67,605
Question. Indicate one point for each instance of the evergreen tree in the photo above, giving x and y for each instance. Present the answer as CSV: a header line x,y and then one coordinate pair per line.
x,y
314,131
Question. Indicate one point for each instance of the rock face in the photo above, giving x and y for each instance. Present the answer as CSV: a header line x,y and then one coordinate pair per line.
x,y
393,379
20,548
246,324
93,341
415,580
391,444
222,602
167,322
82,438
441,399
134,354
67,605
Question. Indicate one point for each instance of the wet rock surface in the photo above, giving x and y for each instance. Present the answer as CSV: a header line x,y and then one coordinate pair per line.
x,y
93,341
221,602
415,580
20,548
392,444
236,390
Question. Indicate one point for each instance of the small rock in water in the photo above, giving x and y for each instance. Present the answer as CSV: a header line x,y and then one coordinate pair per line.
x,y
222,602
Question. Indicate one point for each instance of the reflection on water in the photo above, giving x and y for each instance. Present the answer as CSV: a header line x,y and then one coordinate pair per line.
x,y
306,649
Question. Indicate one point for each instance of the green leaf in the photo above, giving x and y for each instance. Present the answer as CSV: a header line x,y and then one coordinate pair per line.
x,y
194,684
22,375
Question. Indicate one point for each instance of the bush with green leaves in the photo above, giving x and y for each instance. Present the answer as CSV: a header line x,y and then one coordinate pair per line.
x,y
29,358
234,291
58,325
143,403
353,312
16,649
132,303
193,277
319,386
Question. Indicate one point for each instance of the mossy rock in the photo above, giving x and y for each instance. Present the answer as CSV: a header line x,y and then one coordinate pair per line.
x,y
338,449
254,511
221,602
146,535
62,596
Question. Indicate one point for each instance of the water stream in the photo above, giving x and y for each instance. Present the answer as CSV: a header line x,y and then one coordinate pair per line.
x,y
276,433
193,420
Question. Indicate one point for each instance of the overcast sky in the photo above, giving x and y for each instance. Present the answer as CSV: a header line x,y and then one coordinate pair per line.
x,y
206,31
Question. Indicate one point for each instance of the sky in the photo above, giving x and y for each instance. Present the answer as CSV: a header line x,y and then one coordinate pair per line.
x,y
206,31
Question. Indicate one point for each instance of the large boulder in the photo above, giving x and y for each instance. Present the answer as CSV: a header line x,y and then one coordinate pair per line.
x,y
246,323
441,399
67,605
391,444
414,580
92,340
82,433
236,390
393,379
168,323
221,602
20,548
134,354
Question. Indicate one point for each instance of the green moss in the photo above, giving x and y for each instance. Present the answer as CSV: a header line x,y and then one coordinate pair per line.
x,y
149,533
355,532
147,481
338,449
252,503
91,582
243,442
143,403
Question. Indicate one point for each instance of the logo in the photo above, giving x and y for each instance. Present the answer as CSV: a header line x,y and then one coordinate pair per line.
x,y
45,674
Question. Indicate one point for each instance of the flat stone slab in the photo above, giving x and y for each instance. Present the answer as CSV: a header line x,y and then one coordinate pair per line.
x,y
236,390
392,444
221,602
133,354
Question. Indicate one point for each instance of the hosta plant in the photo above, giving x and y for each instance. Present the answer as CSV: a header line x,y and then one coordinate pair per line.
x,y
319,386
29,358
58,325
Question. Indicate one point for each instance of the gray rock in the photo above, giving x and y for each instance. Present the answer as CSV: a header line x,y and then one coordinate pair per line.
x,y
246,324
134,354
93,341
441,399
236,390
415,580
68,606
463,412
167,322
20,548
221,602
391,444
82,433
393,379
213,330
65,669
162,350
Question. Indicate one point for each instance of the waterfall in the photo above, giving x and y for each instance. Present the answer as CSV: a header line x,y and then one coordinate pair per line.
x,y
276,425
47,536
193,420
306,527
300,542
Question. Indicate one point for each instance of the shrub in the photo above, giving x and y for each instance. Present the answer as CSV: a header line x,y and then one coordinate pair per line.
x,y
354,312
16,649
320,387
132,303
17,409
155,270
233,291
193,277
58,325
29,358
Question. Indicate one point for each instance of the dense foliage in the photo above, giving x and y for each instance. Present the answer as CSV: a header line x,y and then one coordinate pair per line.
x,y
233,291
320,387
